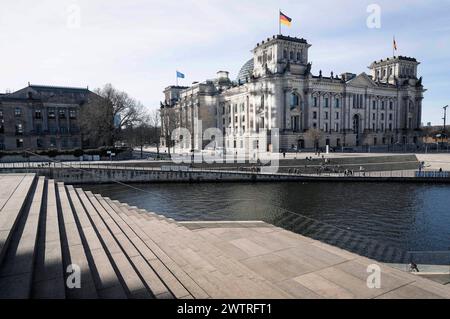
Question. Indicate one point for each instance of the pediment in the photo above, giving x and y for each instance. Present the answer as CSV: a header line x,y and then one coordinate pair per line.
x,y
362,80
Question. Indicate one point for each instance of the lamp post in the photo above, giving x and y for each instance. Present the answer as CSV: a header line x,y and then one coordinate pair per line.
x,y
445,117
445,123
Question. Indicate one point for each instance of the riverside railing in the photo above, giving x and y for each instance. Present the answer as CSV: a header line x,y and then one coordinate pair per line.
x,y
424,174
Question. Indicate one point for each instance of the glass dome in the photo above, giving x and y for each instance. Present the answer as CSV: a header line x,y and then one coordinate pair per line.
x,y
246,72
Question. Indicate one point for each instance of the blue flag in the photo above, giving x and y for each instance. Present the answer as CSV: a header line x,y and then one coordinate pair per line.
x,y
180,75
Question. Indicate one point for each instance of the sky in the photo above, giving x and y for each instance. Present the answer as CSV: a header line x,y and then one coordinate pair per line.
x,y
137,45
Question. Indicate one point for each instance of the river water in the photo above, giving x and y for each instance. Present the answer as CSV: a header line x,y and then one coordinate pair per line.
x,y
409,217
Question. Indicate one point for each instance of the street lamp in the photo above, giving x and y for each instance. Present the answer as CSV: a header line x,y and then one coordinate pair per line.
x,y
445,123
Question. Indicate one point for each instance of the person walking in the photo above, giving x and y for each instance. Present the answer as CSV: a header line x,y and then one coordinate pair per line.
x,y
413,267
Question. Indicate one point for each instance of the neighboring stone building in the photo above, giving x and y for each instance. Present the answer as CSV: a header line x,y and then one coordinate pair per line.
x,y
276,89
41,117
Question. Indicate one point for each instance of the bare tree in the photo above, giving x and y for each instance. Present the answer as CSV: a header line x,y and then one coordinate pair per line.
x,y
155,121
315,135
106,113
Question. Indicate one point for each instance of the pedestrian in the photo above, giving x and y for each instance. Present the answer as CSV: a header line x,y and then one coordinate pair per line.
x,y
284,154
413,267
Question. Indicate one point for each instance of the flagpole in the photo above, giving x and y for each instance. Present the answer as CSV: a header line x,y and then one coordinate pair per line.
x,y
279,21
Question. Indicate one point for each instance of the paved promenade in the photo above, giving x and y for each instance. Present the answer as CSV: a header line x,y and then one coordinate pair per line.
x,y
48,229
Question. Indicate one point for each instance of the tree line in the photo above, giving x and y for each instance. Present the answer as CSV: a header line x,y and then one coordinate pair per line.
x,y
110,117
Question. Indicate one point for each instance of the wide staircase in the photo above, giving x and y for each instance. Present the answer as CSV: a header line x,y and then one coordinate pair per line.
x,y
50,232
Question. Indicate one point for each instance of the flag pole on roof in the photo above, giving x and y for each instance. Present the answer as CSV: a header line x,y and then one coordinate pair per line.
x,y
394,47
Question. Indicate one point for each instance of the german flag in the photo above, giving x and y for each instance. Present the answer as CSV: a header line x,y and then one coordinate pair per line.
x,y
284,19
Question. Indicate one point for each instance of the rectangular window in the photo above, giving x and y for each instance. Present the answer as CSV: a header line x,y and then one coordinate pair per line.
x,y
315,115
337,115
373,116
19,129
73,114
326,127
326,115
390,117
382,116
62,114
391,105
338,103
17,112
326,102
51,113
374,105
19,143
336,127
38,114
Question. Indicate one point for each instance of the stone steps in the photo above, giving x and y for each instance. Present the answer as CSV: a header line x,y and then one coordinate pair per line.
x,y
18,264
11,210
73,249
205,262
49,273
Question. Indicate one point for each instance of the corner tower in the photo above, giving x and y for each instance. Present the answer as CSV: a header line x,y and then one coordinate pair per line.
x,y
278,53
400,67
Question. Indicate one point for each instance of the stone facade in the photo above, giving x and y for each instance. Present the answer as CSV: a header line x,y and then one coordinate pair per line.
x,y
41,117
276,90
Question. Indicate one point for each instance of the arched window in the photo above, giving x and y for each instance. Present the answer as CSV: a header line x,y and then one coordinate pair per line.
x,y
294,100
